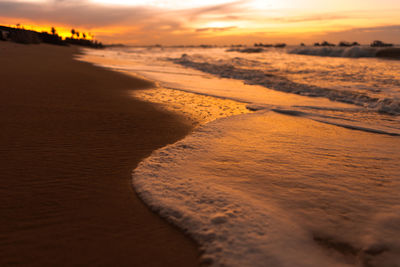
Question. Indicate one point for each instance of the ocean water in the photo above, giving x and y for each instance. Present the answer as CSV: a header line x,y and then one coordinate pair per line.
x,y
294,160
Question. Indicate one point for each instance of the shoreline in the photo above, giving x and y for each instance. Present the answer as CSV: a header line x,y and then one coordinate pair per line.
x,y
72,136
239,185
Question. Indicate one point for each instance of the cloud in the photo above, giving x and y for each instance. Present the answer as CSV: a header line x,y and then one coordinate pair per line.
x,y
87,13
77,13
149,25
130,23
222,9
391,28
216,29
313,18
389,33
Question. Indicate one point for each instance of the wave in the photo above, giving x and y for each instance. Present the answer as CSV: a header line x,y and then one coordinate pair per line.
x,y
225,222
349,52
337,121
243,185
276,82
246,50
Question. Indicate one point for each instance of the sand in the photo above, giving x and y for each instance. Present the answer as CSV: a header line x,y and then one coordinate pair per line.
x,y
70,136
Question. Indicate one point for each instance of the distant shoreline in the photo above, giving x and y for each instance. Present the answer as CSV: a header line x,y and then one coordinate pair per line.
x,y
24,36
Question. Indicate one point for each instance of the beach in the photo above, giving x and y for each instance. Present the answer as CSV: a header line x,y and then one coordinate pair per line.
x,y
71,133
269,159
294,160
199,133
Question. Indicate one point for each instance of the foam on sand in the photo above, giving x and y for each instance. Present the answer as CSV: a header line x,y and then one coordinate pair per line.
x,y
266,189
199,109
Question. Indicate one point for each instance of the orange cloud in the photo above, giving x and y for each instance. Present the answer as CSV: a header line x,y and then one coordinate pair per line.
x,y
224,23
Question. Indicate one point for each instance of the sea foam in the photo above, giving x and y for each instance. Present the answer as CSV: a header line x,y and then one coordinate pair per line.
x,y
226,69
232,228
266,189
352,52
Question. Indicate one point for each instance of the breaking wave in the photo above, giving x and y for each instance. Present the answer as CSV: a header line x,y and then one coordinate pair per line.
x,y
226,69
350,52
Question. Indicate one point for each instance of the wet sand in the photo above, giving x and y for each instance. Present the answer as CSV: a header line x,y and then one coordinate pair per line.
x,y
70,136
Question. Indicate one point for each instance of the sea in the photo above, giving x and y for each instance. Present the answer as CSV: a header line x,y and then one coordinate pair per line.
x,y
294,159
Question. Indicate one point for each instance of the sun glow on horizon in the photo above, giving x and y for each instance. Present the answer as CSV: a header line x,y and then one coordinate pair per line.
x,y
62,31
193,21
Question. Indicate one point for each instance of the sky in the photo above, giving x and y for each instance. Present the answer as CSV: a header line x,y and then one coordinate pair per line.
x,y
220,22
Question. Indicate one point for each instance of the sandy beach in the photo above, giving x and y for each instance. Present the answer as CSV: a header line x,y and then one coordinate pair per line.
x,y
70,136
276,174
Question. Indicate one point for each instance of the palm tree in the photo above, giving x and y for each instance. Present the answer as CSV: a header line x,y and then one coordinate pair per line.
x,y
84,35
73,33
77,34
53,30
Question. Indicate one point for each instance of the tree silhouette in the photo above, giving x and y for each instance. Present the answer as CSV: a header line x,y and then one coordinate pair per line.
x,y
53,30
84,35
73,33
77,34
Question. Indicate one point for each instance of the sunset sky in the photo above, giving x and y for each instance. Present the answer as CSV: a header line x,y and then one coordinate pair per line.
x,y
173,22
